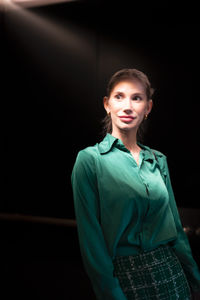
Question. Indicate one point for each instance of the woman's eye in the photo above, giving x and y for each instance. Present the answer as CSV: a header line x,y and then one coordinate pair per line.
x,y
137,98
118,96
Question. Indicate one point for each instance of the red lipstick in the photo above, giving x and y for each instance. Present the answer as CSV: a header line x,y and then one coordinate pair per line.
x,y
126,119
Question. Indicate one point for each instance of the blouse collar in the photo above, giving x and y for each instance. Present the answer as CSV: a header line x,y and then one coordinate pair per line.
x,y
110,141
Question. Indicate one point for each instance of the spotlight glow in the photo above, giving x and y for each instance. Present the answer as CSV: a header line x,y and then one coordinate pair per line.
x,y
32,3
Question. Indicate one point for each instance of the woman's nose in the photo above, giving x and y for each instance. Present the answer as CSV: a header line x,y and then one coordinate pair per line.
x,y
128,108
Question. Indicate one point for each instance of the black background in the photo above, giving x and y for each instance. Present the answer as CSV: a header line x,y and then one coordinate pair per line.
x,y
58,61
55,64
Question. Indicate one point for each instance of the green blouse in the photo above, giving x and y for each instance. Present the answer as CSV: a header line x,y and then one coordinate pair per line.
x,y
122,209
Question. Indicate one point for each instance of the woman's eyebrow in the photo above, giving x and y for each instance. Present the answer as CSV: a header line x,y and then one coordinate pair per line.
x,y
119,92
139,92
133,94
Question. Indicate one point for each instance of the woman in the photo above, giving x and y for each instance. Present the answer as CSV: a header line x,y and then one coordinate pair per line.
x,y
131,239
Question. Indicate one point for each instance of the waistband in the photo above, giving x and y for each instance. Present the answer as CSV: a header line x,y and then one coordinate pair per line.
x,y
150,258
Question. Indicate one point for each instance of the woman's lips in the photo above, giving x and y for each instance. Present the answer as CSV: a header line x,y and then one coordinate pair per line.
x,y
126,119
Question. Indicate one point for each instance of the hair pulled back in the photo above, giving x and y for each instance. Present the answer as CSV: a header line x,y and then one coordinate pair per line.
x,y
122,75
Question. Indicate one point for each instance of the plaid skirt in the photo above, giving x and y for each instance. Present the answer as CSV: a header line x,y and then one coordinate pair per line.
x,y
157,274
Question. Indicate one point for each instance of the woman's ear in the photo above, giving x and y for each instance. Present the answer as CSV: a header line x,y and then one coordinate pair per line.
x,y
105,103
150,105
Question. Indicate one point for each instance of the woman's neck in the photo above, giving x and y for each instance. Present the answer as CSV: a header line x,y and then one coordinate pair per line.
x,y
128,138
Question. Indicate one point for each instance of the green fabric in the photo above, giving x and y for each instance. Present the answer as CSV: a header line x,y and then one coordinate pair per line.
x,y
125,209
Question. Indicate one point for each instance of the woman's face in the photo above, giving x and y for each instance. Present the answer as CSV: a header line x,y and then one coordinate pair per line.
x,y
127,105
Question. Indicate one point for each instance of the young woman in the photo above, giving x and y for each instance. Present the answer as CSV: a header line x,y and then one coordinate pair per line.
x,y
131,238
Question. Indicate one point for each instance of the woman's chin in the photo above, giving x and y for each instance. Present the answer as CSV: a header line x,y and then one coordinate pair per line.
x,y
127,128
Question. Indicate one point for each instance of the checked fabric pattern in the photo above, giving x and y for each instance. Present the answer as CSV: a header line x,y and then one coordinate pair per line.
x,y
157,274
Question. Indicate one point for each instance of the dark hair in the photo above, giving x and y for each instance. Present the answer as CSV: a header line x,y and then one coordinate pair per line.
x,y
127,74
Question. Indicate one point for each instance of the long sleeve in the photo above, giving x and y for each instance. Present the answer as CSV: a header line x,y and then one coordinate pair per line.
x,y
96,259
181,244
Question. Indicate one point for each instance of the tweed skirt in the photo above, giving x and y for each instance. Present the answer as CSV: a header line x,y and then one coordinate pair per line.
x,y
157,274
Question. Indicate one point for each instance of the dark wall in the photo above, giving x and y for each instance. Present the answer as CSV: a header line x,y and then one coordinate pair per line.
x,y
58,60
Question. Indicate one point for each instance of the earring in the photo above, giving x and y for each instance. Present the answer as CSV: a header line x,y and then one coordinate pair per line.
x,y
145,117
108,114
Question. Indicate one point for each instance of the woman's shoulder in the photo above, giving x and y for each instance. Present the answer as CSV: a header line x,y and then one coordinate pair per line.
x,y
161,159
86,156
159,156
84,166
158,153
88,152
155,152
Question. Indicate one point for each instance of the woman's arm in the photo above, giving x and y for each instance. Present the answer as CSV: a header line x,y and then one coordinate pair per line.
x,y
181,245
96,259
